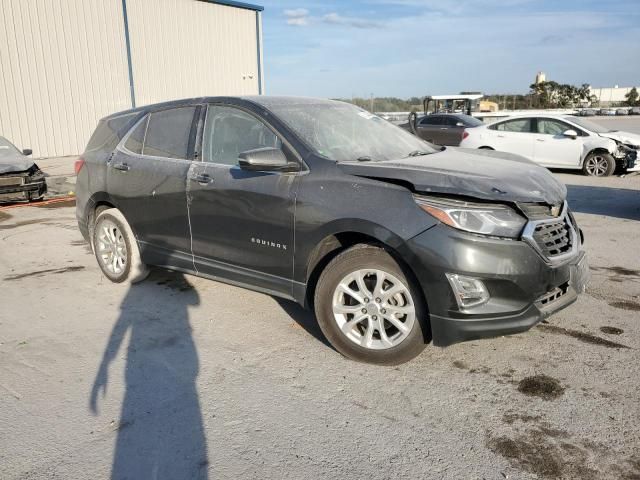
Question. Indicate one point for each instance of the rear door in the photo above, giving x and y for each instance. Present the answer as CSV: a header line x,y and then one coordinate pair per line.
x,y
451,133
430,127
146,177
552,148
242,222
513,136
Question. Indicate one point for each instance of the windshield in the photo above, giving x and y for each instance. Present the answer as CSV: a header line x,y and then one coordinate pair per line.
x,y
344,132
7,149
587,124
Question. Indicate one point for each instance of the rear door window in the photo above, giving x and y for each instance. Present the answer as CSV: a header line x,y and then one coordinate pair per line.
x,y
168,133
431,120
520,125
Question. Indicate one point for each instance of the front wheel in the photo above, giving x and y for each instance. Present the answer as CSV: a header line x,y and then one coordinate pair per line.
x,y
599,165
369,309
116,248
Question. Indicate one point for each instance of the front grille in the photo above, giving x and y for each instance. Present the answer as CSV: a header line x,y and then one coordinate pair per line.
x,y
553,238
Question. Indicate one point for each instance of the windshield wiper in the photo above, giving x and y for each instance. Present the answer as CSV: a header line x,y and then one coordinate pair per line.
x,y
364,158
417,153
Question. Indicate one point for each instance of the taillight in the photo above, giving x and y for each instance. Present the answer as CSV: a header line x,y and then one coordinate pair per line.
x,y
77,166
465,134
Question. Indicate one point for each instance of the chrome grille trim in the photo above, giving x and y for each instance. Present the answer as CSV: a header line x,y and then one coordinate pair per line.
x,y
554,239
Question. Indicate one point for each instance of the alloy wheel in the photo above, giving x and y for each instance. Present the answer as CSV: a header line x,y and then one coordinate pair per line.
x,y
373,309
111,247
597,165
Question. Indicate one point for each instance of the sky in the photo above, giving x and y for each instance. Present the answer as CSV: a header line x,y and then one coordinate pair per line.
x,y
405,48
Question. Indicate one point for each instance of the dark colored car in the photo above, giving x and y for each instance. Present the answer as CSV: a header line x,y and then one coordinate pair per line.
x,y
444,128
20,177
392,242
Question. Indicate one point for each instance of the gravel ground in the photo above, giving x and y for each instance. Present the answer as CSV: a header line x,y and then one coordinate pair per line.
x,y
180,377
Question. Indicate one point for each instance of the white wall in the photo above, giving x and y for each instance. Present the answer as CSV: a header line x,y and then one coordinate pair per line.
x,y
63,63
63,66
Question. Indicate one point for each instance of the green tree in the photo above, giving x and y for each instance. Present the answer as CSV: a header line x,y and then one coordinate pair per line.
x,y
633,99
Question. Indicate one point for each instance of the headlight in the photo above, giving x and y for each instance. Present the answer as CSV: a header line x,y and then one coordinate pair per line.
x,y
485,218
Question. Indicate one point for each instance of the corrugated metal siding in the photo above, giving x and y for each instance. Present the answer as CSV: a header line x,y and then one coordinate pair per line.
x,y
187,48
63,66
63,63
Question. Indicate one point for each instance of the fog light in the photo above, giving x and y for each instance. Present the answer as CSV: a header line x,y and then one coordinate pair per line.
x,y
469,291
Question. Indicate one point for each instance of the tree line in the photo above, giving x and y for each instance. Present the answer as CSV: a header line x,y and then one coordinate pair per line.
x,y
541,95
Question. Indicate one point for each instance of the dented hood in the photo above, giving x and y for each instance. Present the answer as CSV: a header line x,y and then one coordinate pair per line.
x,y
624,137
15,164
482,174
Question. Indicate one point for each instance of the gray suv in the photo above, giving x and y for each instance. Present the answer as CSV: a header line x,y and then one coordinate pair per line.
x,y
393,244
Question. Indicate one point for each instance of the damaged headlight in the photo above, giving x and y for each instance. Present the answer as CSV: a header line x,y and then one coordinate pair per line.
x,y
491,219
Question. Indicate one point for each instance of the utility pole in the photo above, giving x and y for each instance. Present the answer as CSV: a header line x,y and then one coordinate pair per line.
x,y
372,103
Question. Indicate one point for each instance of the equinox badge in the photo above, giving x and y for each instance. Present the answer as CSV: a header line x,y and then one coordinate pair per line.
x,y
268,243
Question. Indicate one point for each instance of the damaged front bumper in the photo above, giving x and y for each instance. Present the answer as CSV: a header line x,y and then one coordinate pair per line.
x,y
523,287
627,156
28,185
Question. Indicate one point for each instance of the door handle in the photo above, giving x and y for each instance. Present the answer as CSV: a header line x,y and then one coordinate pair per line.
x,y
539,139
201,178
122,166
444,128
500,136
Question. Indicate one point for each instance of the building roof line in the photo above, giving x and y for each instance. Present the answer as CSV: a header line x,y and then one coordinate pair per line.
x,y
232,3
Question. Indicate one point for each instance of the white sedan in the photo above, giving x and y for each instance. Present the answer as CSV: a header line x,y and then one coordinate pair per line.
x,y
558,141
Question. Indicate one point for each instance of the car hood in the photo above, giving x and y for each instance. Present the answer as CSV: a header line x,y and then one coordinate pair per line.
x,y
15,164
624,137
482,174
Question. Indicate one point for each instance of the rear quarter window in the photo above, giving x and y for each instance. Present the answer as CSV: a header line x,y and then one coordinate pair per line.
x,y
109,132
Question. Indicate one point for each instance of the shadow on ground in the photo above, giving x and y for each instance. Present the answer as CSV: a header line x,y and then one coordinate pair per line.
x,y
305,318
612,202
160,432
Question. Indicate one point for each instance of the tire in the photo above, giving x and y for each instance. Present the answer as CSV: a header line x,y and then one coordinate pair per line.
x,y
485,148
599,164
116,248
360,329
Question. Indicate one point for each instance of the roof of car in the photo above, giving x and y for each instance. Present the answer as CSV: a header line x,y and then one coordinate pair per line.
x,y
263,100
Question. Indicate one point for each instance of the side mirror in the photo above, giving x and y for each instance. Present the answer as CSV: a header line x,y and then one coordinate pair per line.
x,y
27,151
570,133
459,124
266,159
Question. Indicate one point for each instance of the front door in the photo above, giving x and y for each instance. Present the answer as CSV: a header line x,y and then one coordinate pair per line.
x,y
242,222
147,178
552,148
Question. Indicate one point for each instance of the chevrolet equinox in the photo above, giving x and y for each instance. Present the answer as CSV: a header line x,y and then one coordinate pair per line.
x,y
394,243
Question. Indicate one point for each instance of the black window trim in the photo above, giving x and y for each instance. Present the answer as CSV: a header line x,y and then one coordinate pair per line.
x,y
198,145
145,116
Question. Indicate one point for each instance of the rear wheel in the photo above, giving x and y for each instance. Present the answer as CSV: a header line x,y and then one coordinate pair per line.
x,y
116,248
368,308
599,165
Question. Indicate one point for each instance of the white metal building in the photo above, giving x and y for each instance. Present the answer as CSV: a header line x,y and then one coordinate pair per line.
x,y
64,64
611,95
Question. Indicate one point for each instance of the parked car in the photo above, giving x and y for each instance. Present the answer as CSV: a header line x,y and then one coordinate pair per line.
x,y
392,242
20,177
634,111
587,112
607,111
622,111
557,141
443,128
